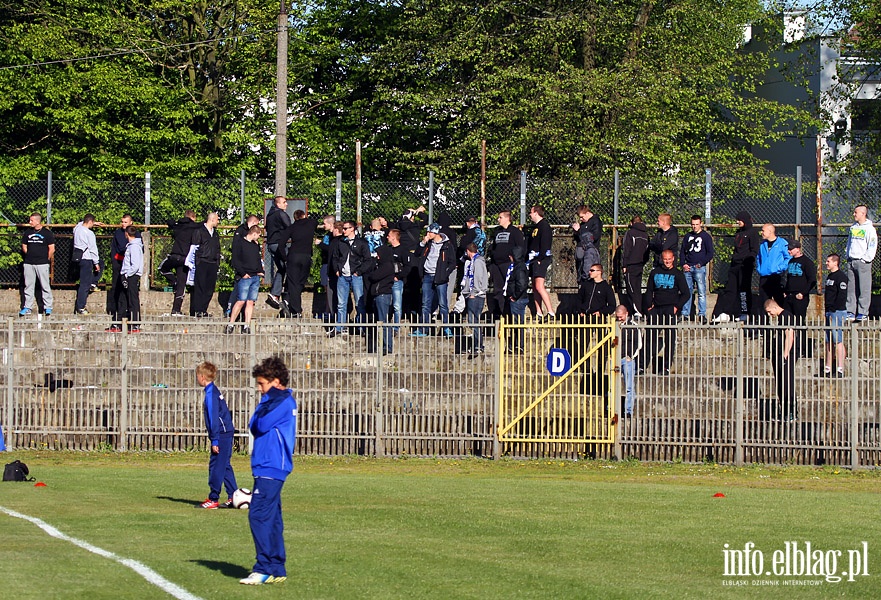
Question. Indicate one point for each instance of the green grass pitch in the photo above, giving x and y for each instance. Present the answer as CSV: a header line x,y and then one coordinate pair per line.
x,y
423,528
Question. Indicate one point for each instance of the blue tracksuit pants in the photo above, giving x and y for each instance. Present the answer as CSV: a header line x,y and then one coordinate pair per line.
x,y
267,527
220,471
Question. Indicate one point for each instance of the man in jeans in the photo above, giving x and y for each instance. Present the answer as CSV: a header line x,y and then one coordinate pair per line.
x,y
38,246
438,261
630,344
694,255
349,260
862,242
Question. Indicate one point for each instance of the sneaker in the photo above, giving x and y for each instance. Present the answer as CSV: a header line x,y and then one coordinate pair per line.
x,y
331,333
113,329
255,579
246,330
209,504
448,332
475,354
419,334
48,312
228,329
203,315
93,288
81,311
227,504
24,312
134,330
177,314
850,317
839,374
861,318
721,318
274,303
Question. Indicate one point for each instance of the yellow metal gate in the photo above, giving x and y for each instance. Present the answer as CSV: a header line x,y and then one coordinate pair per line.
x,y
557,382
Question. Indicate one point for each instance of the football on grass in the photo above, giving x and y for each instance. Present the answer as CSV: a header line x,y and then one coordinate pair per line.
x,y
241,498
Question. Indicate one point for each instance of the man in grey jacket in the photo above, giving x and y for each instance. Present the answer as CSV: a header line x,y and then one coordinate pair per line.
x,y
475,283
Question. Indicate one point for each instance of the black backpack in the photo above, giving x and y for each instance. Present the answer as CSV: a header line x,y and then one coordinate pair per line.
x,y
16,471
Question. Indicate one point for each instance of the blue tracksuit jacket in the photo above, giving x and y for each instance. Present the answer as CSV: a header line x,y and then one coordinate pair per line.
x,y
274,427
218,419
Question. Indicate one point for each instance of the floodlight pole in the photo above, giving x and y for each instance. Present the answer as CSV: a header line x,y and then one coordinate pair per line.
x,y
281,104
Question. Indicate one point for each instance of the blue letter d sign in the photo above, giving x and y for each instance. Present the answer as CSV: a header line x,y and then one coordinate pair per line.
x,y
559,361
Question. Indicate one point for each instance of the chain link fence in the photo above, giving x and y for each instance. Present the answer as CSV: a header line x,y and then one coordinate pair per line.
x,y
788,201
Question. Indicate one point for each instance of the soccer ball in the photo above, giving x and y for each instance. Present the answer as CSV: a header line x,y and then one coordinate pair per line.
x,y
241,498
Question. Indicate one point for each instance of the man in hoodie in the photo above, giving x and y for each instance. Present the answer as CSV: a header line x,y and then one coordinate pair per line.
x,y
667,293
475,283
862,242
695,254
736,300
437,262
801,281
515,290
634,254
410,226
130,272
207,265
183,232
586,233
771,264
505,238
595,296
274,427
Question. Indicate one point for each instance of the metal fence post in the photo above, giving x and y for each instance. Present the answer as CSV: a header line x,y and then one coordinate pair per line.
x,y
123,390
854,398
358,183
523,197
339,195
500,351
738,400
9,359
430,197
708,195
242,193
379,451
49,198
147,194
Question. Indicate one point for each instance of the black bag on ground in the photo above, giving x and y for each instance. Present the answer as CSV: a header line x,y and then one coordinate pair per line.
x,y
16,471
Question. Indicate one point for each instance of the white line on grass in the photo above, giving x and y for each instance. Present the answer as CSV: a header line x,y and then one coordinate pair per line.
x,y
144,571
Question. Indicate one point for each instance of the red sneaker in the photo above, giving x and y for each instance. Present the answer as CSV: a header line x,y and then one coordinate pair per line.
x,y
209,504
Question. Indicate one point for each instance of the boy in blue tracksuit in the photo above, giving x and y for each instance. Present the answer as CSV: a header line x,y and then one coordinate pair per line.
x,y
274,427
218,422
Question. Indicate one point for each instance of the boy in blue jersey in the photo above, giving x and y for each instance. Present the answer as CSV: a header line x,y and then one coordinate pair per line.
x,y
274,427
218,422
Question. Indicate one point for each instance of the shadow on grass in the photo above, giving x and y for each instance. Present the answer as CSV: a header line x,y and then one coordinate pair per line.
x,y
224,568
189,501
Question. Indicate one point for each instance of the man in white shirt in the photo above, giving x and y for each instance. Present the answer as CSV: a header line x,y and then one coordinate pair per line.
x,y
85,252
862,242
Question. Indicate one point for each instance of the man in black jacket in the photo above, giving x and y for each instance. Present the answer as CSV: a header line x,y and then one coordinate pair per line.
x,y
736,300
207,265
301,237
248,267
666,238
505,238
595,296
117,253
350,260
277,223
183,232
801,280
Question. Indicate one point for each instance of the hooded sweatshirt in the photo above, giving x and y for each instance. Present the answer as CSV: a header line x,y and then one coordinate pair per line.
x,y
746,240
475,282
634,248
274,427
667,287
862,242
133,261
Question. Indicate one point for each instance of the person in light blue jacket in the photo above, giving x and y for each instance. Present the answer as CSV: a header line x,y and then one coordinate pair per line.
x,y
771,264
274,427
